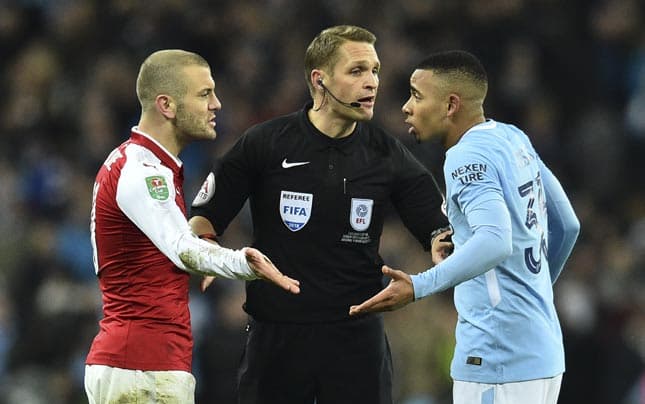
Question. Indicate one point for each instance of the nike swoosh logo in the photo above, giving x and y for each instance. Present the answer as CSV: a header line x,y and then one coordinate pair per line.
x,y
295,164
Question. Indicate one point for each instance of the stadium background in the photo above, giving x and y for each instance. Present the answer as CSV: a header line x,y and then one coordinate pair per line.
x,y
571,73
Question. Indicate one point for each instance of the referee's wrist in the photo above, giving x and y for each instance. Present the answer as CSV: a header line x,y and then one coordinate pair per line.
x,y
436,233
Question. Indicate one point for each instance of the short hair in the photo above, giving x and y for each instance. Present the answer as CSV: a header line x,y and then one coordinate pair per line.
x,y
322,52
457,64
161,73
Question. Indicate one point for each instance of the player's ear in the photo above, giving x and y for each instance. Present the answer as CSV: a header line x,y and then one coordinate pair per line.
x,y
166,106
454,103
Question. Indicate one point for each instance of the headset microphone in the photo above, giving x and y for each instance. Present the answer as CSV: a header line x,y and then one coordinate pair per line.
x,y
353,104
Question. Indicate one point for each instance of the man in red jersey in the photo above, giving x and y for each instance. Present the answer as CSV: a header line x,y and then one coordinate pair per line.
x,y
144,248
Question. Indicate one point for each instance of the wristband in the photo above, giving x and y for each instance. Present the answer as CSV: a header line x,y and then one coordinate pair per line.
x,y
436,232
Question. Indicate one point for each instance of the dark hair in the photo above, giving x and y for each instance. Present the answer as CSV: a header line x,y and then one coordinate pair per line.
x,y
455,61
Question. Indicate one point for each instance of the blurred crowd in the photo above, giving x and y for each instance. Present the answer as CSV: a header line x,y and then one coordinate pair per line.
x,y
570,73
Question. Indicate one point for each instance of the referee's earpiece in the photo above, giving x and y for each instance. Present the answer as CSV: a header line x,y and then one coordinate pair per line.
x,y
353,104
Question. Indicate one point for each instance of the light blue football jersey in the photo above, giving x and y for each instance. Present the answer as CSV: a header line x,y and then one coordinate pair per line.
x,y
514,228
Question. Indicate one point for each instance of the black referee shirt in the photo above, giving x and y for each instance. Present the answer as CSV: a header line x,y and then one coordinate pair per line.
x,y
318,205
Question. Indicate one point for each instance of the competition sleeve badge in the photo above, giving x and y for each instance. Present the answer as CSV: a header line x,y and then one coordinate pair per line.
x,y
206,191
360,215
295,209
157,187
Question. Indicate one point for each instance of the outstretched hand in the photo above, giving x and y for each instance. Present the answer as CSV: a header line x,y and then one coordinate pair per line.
x,y
398,293
264,269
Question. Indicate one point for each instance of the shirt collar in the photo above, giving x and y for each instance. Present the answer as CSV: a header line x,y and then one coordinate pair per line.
x,y
139,137
487,124
322,141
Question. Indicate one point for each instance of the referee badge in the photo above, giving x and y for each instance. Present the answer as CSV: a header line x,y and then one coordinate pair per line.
x,y
360,215
295,209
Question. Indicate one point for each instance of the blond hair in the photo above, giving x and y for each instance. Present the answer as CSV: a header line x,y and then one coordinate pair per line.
x,y
161,73
322,52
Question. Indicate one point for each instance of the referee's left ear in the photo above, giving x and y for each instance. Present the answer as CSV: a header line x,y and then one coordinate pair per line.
x,y
454,103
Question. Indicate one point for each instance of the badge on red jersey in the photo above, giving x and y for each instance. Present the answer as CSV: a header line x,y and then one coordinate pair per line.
x,y
157,187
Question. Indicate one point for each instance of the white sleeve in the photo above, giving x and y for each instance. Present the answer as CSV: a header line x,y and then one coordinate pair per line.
x,y
146,195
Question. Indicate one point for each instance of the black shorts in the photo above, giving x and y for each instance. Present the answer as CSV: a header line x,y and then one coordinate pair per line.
x,y
346,362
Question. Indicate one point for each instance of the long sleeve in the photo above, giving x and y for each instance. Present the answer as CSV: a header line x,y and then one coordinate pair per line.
x,y
163,222
563,225
489,245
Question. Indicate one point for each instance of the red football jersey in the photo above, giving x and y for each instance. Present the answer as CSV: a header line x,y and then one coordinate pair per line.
x,y
138,217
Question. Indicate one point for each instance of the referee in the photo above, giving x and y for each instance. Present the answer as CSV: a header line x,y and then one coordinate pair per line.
x,y
320,182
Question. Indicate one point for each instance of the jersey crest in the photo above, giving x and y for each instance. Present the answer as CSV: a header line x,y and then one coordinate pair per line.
x,y
295,209
360,215
157,187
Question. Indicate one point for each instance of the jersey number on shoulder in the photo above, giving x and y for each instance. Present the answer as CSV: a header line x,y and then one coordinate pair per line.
x,y
534,219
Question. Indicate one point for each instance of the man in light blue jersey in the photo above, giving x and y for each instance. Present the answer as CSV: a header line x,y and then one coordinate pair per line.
x,y
514,228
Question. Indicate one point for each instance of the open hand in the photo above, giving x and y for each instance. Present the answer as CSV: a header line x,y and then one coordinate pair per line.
x,y
264,269
398,293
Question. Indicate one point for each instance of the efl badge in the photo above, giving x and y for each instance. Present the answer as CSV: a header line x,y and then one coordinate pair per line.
x,y
206,191
295,209
157,187
360,215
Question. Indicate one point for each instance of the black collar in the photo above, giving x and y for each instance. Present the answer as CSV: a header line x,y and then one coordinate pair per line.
x,y
322,141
